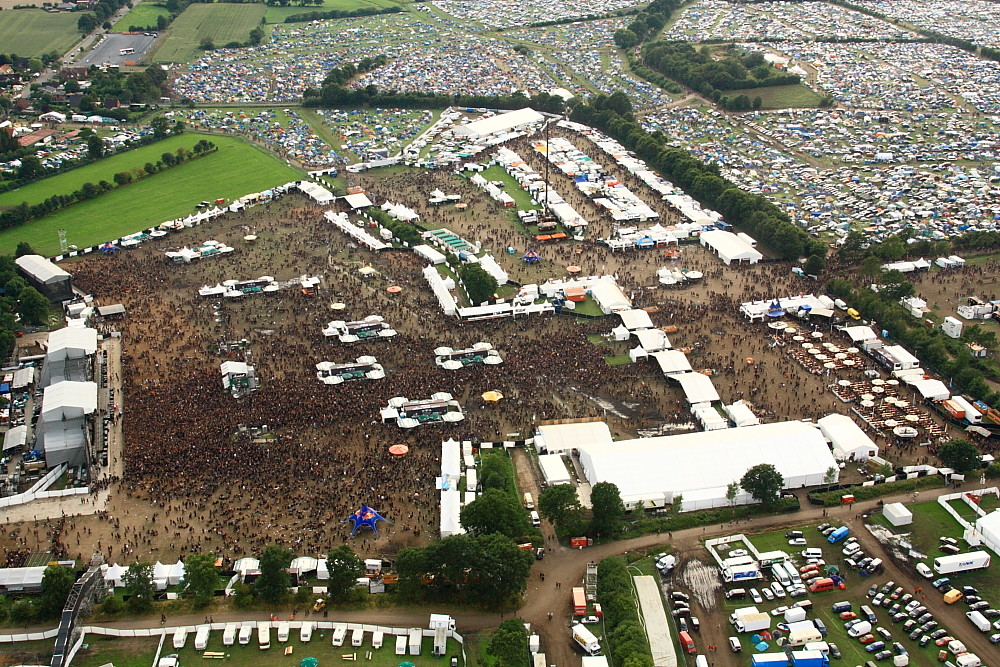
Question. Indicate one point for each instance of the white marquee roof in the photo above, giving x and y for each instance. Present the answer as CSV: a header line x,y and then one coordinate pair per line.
x,y
697,388
41,269
554,469
672,361
708,461
635,319
563,437
71,343
67,399
847,437
730,247
500,123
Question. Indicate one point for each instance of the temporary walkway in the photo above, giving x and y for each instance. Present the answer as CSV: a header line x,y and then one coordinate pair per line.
x,y
661,645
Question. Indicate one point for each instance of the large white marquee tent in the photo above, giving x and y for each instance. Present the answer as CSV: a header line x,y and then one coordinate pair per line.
x,y
650,472
848,440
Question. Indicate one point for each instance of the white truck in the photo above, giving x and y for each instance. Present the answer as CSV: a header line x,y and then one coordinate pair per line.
x,y
977,619
586,639
749,619
971,560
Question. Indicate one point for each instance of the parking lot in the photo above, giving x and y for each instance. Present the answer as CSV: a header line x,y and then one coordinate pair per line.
x,y
109,51
860,605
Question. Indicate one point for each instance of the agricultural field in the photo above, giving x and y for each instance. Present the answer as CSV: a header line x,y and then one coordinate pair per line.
x,y
32,32
222,23
236,169
143,14
278,14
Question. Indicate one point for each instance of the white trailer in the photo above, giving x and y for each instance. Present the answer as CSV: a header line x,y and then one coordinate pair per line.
x,y
377,638
180,638
306,631
586,639
244,635
415,638
440,642
229,634
339,634
357,636
972,560
201,637
264,635
283,628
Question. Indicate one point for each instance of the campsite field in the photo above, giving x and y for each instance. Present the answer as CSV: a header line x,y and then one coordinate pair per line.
x,y
222,23
278,14
143,14
32,32
236,169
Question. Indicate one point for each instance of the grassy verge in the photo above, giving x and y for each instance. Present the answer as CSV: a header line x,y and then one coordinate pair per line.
x,y
237,168
648,523
861,493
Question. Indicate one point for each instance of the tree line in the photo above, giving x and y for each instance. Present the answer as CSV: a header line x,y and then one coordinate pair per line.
x,y
622,625
947,356
100,14
25,212
700,69
341,13
18,300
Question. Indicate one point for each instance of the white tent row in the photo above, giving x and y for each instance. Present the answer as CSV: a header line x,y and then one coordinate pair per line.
x,y
400,212
741,414
787,304
908,267
673,362
451,461
635,319
451,508
498,124
692,210
342,222
652,340
709,418
442,288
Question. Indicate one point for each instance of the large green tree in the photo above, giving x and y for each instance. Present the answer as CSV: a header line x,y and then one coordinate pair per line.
x,y
56,584
32,306
961,455
201,578
345,567
763,482
479,285
495,511
560,504
607,509
500,571
509,644
272,584
139,588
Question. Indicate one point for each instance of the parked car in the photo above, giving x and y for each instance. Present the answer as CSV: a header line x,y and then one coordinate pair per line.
x,y
766,592
868,639
834,651
590,620
883,655
755,596
875,646
778,589
794,534
797,542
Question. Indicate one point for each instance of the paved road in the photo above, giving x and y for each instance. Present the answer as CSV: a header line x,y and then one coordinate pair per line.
x,y
568,566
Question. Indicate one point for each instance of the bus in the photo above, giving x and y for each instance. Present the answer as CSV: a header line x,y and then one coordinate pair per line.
x,y
126,52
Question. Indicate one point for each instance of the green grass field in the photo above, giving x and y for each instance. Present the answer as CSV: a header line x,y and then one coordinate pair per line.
x,y
29,653
278,14
236,169
93,173
780,97
102,650
143,15
222,22
32,32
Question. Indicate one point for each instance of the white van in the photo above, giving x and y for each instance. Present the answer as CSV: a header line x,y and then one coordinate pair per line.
x,y
306,631
925,571
339,634
701,661
229,634
244,634
264,635
535,519
812,553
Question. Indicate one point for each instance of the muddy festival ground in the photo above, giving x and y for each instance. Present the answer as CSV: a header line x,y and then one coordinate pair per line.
x,y
192,483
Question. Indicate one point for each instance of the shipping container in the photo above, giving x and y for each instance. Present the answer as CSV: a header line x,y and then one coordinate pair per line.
x,y
579,602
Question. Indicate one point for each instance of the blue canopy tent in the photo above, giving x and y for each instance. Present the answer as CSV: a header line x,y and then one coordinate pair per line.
x,y
365,516
531,257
